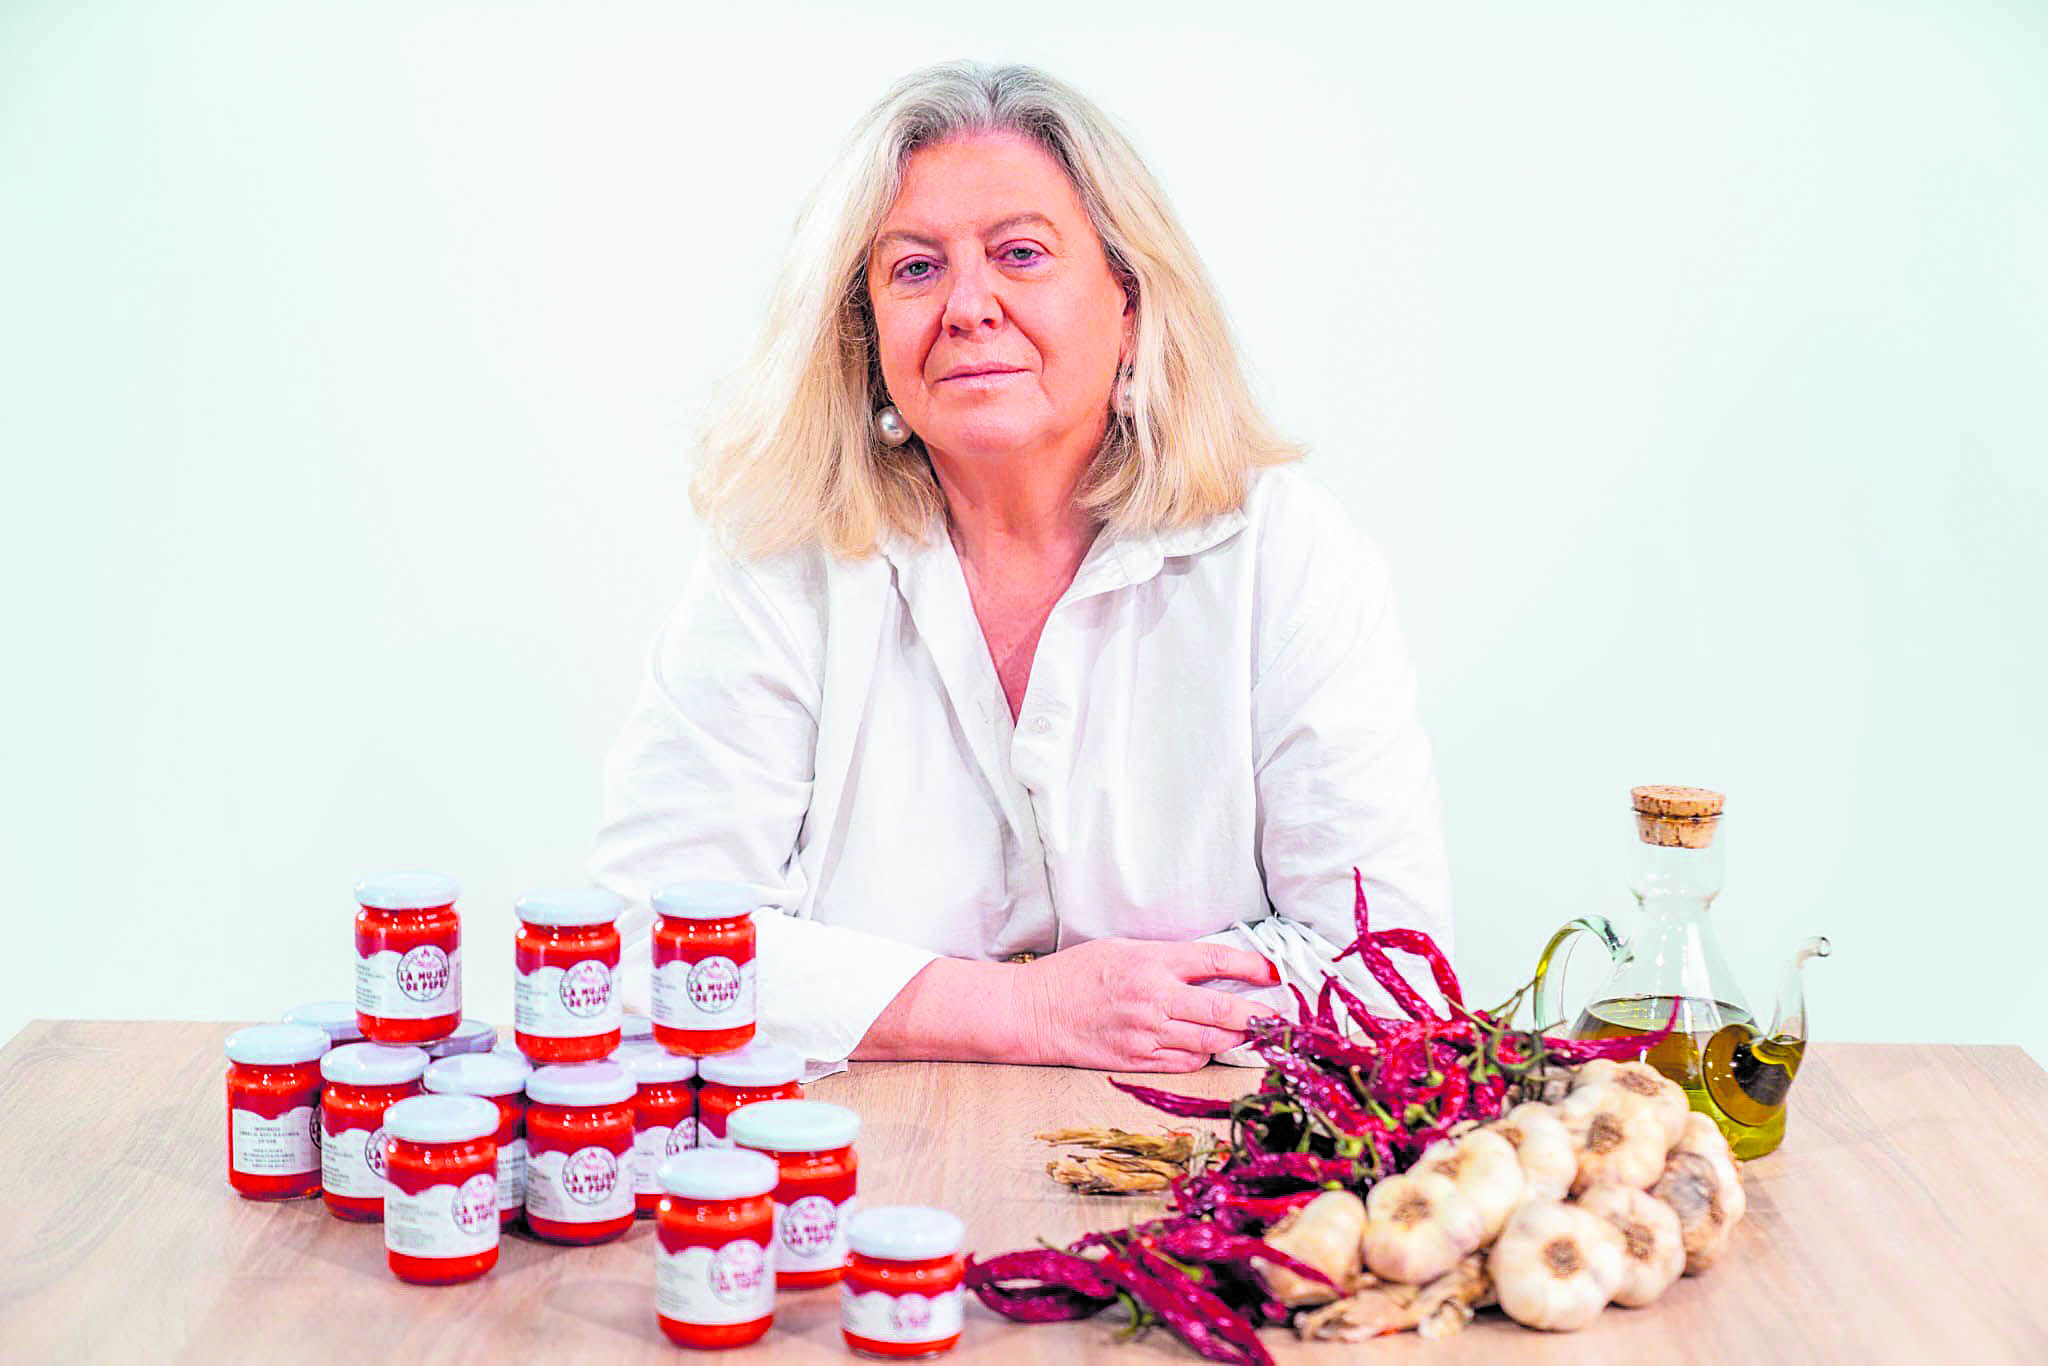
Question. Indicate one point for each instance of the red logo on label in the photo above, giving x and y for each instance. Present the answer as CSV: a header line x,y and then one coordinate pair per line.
x,y
911,1314
737,1270
590,1174
683,1137
476,1204
423,973
714,984
373,1153
586,988
809,1225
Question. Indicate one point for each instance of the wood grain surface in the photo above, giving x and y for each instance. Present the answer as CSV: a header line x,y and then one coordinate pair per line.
x,y
1903,1219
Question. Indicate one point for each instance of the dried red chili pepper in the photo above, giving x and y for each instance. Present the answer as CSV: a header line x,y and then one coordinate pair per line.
x,y
1190,1107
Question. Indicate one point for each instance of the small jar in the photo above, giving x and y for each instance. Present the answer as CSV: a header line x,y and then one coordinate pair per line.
x,y
470,1036
664,1116
579,1146
714,1272
564,1005
500,1080
812,1143
442,1224
273,1085
338,1018
704,967
902,1296
408,958
759,1071
363,1081
635,1029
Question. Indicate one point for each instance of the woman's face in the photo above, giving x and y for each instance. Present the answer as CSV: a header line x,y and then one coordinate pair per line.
x,y
1000,325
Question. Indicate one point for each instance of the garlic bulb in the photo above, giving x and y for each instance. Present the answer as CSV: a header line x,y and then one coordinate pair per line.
x,y
1555,1266
1701,1185
1484,1166
1704,1137
1542,1146
1328,1233
1418,1225
1614,1140
1653,1249
1630,1086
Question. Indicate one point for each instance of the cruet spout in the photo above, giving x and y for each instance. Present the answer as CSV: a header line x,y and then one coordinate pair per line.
x,y
1789,1021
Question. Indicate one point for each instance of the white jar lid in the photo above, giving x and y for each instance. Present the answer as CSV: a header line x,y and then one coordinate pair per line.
x,y
570,906
792,1126
635,1029
708,900
406,891
278,1045
470,1036
441,1119
719,1174
374,1064
651,1062
478,1074
905,1233
755,1064
338,1018
581,1083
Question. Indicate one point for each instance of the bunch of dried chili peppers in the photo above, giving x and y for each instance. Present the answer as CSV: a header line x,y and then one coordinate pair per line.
x,y
1341,1104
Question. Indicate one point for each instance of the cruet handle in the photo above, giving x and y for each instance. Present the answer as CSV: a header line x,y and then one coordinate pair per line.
x,y
1547,983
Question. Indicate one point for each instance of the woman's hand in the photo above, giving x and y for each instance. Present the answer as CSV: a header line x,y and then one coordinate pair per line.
x,y
1130,1005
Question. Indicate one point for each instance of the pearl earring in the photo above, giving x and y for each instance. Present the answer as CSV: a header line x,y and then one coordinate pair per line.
x,y
890,426
1121,397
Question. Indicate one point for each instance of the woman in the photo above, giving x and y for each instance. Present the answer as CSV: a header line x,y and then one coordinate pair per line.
x,y
1048,706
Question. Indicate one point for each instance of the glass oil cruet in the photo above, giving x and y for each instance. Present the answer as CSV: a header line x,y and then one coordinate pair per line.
x,y
1737,1076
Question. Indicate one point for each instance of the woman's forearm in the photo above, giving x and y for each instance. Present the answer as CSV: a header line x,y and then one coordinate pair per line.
x,y
954,1010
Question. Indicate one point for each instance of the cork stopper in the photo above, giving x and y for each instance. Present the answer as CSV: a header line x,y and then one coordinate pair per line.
x,y
1676,817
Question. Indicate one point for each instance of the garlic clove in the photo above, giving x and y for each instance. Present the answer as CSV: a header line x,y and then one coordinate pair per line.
x,y
1606,1084
1705,1190
1616,1141
1418,1225
1543,1147
1485,1167
1653,1247
1328,1234
1704,1137
1555,1266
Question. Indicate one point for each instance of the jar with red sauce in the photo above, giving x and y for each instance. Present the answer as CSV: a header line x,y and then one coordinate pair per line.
x,y
579,1149
338,1018
635,1029
565,1006
441,1226
470,1036
664,1116
501,1080
760,1071
903,1294
273,1085
812,1143
363,1081
704,966
714,1259
408,958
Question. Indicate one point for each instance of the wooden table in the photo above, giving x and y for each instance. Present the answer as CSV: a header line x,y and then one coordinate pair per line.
x,y
1905,1217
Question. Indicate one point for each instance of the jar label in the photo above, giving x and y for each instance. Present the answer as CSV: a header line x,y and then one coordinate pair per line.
x,y
444,1220
650,1150
734,1284
352,1163
589,1186
810,1235
512,1174
286,1146
711,993
881,1317
424,983
575,1002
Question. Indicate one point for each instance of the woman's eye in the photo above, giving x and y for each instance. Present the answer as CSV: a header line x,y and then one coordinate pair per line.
x,y
1020,254
913,271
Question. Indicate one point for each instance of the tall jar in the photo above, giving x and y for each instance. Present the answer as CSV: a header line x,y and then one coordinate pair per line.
x,y
579,1149
501,1080
565,1007
704,977
664,1116
812,1143
408,958
759,1071
273,1088
714,1270
364,1080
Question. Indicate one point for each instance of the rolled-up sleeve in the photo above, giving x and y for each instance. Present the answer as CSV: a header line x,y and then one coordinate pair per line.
x,y
710,779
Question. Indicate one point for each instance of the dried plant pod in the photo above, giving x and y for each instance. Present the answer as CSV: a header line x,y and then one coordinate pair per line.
x,y
1328,1233
1418,1226
1174,1145
1618,1142
1543,1147
1483,1165
1555,1267
1653,1246
1435,1310
1114,1174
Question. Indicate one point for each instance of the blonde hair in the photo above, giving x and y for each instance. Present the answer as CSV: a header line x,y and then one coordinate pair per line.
x,y
791,458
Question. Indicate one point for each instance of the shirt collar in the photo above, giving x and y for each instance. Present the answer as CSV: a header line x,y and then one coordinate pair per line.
x,y
1116,560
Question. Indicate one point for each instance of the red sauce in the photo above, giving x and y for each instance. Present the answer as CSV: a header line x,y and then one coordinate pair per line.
x,y
288,1160
738,1233
703,984
510,1139
661,1105
419,990
927,1279
415,1170
345,1109
573,1018
579,1196
811,1201
717,1101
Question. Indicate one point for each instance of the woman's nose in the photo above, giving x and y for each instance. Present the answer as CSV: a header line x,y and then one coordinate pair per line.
x,y
972,301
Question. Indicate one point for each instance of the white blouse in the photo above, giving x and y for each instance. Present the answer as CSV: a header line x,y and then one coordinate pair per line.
x,y
1220,724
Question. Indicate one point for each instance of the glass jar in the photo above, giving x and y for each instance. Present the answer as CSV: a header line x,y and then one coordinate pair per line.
x,y
408,958
564,1006
664,1116
442,1223
363,1081
759,1071
714,1275
704,967
470,1036
903,1294
338,1018
501,1080
812,1143
579,1146
273,1088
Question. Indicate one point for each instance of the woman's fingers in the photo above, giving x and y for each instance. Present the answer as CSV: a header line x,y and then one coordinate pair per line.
x,y
1178,1036
1217,1009
1197,962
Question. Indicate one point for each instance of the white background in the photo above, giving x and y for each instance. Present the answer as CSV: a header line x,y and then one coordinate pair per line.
x,y
1686,362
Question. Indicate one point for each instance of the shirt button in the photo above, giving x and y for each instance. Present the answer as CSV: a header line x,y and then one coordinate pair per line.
x,y
1041,725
